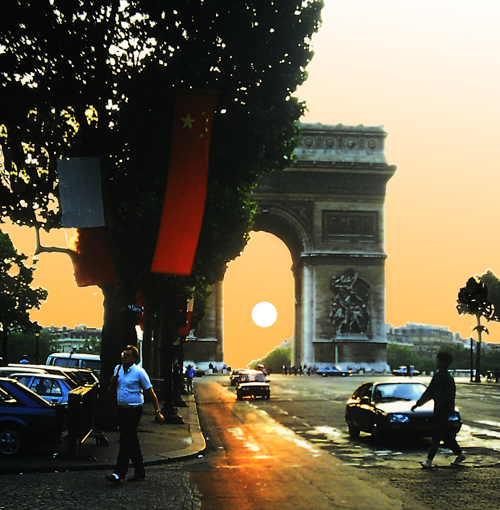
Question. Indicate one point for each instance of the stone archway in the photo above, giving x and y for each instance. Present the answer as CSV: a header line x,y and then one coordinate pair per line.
x,y
328,208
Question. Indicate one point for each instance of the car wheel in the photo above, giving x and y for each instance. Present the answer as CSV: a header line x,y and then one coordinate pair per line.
x,y
239,396
353,431
10,441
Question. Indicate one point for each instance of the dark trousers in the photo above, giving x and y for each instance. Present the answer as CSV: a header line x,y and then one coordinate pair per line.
x,y
443,433
130,449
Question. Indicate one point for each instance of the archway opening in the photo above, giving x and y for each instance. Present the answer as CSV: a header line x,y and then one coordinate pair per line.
x,y
262,274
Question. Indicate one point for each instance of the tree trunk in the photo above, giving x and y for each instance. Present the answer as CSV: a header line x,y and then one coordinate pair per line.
x,y
478,351
118,331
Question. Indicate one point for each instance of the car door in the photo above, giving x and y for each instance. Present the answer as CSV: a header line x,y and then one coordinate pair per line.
x,y
357,406
49,389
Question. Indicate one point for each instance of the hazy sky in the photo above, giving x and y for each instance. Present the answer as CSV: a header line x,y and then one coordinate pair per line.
x,y
428,71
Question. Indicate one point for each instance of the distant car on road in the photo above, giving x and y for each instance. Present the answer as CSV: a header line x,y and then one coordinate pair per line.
x,y
26,419
383,409
252,383
333,372
406,370
52,388
235,375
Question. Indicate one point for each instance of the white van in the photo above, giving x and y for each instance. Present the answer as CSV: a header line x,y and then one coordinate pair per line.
x,y
75,360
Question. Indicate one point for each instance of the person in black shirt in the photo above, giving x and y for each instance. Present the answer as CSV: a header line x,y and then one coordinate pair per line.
x,y
442,390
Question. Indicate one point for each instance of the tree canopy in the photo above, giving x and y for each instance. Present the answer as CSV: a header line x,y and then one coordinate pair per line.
x,y
80,78
17,296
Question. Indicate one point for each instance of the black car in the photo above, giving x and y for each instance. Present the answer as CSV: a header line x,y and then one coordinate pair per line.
x,y
383,409
26,419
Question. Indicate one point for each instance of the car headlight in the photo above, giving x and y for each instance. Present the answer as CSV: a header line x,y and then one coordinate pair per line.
x,y
398,418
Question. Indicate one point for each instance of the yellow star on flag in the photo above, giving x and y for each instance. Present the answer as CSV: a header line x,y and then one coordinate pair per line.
x,y
187,121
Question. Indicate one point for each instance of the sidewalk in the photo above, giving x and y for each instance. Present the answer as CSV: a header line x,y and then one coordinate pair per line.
x,y
159,443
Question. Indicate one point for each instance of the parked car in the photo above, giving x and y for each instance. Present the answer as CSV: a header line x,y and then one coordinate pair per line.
x,y
81,376
7,371
383,409
406,370
26,419
75,360
252,383
333,372
53,388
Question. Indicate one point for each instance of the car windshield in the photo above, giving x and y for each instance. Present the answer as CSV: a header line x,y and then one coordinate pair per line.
x,y
254,378
385,392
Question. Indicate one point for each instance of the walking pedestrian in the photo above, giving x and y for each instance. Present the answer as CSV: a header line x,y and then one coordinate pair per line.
x,y
189,379
132,384
442,390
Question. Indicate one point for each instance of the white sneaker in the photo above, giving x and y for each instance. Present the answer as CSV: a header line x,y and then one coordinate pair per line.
x,y
426,464
460,458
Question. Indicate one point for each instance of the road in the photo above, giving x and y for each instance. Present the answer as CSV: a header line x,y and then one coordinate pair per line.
x,y
283,452
260,463
313,407
290,452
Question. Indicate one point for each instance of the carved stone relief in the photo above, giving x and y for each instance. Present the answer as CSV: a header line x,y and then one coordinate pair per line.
x,y
350,304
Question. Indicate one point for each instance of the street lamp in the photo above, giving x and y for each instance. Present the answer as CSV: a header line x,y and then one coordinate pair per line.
x,y
37,354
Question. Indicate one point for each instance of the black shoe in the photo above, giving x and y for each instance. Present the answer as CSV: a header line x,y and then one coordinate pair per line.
x,y
113,478
136,478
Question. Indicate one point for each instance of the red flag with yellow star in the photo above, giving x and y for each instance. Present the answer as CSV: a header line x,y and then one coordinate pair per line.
x,y
186,189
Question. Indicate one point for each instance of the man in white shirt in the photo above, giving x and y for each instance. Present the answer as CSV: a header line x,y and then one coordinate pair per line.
x,y
132,384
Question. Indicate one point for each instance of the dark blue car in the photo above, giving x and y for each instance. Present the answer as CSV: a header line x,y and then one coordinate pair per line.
x,y
26,419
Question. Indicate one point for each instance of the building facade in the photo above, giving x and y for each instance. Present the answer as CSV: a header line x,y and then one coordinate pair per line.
x,y
73,339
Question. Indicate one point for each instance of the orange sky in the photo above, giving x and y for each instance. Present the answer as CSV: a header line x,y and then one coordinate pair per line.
x,y
428,71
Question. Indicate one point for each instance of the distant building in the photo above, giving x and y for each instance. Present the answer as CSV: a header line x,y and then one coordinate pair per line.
x,y
70,339
423,337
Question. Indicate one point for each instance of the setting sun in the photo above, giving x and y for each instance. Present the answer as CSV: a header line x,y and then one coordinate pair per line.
x,y
264,314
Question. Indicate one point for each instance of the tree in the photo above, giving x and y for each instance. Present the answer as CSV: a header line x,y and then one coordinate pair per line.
x,y
20,343
17,297
99,79
275,359
473,300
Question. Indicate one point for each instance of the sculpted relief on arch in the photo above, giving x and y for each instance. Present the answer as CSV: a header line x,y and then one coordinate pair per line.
x,y
350,304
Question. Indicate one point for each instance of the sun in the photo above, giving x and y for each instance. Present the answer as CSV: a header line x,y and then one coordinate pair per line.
x,y
264,314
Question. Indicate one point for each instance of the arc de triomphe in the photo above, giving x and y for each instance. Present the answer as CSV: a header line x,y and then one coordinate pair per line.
x,y
328,208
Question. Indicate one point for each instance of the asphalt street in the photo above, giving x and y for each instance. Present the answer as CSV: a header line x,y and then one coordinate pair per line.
x,y
292,451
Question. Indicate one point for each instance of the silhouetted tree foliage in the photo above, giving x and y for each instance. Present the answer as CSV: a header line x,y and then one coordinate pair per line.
x,y
17,297
98,79
475,299
274,359
20,343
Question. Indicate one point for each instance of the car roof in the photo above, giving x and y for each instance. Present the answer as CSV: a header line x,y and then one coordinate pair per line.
x,y
395,381
21,388
77,355
21,368
43,376
53,368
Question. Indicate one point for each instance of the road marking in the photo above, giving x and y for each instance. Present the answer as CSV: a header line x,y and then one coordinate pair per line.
x,y
488,422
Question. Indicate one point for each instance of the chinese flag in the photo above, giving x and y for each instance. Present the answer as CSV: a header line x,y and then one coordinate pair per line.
x,y
185,194
91,258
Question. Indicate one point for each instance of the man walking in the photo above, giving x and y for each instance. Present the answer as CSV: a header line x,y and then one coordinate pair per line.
x,y
132,383
442,390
